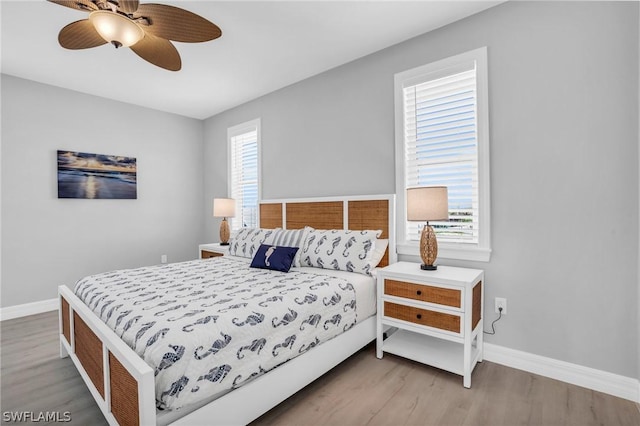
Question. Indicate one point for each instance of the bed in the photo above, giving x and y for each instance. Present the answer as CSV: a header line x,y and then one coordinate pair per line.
x,y
124,385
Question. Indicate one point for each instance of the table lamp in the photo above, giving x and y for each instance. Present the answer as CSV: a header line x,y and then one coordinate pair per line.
x,y
224,208
425,204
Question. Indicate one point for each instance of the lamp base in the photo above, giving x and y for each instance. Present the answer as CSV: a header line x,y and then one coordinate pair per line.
x,y
428,248
224,232
428,267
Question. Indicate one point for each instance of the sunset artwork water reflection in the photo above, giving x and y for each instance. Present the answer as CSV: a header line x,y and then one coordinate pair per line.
x,y
85,175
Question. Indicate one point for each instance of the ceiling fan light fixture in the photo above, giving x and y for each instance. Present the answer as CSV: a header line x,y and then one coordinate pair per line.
x,y
148,29
116,28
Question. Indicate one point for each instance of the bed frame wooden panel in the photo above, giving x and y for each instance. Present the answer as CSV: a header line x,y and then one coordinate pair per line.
x,y
319,215
371,214
89,352
123,384
356,213
124,393
271,215
65,320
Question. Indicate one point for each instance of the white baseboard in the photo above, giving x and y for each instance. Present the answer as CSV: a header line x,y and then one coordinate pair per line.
x,y
590,378
17,311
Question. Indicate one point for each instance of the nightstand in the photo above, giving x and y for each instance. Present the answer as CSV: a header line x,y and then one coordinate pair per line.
x,y
212,250
437,314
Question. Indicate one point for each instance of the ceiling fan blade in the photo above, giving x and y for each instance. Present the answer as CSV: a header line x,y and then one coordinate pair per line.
x,y
128,6
84,5
80,35
173,23
159,52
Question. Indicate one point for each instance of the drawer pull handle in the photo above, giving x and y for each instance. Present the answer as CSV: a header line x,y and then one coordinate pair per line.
x,y
419,316
419,293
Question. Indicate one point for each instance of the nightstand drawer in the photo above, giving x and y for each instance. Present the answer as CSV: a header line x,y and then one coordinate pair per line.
x,y
423,317
423,293
204,254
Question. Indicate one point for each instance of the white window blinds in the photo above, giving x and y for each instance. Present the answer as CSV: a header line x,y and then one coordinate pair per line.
x,y
442,139
441,149
244,174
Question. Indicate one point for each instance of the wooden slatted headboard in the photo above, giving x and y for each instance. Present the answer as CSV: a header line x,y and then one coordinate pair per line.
x,y
355,213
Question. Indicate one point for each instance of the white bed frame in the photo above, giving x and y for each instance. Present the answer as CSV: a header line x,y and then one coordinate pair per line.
x,y
237,407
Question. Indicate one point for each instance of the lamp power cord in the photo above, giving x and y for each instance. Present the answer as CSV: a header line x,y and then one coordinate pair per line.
x,y
493,329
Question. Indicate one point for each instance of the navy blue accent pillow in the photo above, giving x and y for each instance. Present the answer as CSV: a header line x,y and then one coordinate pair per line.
x,y
274,258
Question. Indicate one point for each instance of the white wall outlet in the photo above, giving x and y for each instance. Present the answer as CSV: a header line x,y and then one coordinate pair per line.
x,y
163,258
501,302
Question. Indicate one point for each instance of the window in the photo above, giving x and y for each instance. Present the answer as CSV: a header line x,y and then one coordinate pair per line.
x,y
442,139
244,173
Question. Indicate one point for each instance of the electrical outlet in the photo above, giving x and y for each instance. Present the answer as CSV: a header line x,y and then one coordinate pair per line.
x,y
163,258
501,302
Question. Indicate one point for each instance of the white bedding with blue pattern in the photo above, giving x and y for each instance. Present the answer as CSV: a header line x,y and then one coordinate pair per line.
x,y
208,326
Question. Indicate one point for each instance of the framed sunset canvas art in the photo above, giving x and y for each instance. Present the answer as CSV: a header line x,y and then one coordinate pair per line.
x,y
96,176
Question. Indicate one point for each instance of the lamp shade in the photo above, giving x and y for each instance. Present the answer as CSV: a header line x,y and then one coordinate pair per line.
x,y
224,207
116,28
427,203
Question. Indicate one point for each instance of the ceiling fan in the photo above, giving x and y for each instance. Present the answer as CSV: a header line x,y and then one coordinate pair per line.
x,y
145,28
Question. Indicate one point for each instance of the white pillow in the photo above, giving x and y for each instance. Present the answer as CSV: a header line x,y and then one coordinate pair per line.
x,y
340,249
379,248
247,241
290,238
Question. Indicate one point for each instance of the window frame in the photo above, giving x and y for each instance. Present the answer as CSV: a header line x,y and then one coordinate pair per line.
x,y
480,251
237,130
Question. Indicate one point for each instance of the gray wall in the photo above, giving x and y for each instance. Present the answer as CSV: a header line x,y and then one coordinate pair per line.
x,y
563,81
48,241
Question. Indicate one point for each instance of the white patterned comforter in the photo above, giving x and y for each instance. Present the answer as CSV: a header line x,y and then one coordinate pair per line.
x,y
208,326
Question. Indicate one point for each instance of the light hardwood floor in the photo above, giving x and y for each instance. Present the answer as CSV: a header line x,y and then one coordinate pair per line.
x,y
361,391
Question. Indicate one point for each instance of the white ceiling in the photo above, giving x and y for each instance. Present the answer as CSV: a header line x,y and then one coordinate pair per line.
x,y
265,45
